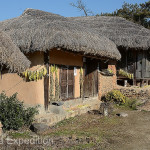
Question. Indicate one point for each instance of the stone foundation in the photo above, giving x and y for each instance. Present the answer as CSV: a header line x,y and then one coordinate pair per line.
x,y
135,93
69,109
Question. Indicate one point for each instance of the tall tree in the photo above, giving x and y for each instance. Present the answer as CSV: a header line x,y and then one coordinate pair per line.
x,y
81,6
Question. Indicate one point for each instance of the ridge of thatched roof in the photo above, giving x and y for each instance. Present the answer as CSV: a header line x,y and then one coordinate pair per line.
x,y
11,56
36,30
122,32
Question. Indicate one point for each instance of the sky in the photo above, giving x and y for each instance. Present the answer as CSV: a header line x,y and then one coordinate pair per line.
x,y
13,8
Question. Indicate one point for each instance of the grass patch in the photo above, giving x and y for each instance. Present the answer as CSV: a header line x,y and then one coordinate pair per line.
x,y
66,121
80,147
83,126
23,135
131,103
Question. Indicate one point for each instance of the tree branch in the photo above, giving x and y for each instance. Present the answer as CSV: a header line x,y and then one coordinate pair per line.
x,y
82,7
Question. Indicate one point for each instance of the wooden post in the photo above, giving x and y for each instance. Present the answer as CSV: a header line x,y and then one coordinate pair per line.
x,y
134,74
126,52
98,80
46,80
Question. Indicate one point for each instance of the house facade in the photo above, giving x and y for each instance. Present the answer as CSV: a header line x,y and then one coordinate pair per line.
x,y
69,68
68,61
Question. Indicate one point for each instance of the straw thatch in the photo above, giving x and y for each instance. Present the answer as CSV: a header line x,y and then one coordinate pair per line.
x,y
11,56
37,30
122,32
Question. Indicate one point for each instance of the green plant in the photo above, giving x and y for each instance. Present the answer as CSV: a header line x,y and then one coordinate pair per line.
x,y
118,98
13,114
131,103
115,96
110,71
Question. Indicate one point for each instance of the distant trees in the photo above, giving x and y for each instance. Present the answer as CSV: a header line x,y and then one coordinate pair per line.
x,y
138,13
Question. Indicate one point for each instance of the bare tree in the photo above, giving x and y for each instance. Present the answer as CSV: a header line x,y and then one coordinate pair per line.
x,y
82,7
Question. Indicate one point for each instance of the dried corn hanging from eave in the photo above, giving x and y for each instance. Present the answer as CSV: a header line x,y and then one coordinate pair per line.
x,y
125,74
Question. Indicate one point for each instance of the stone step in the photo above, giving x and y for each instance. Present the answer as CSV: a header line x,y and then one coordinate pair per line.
x,y
53,118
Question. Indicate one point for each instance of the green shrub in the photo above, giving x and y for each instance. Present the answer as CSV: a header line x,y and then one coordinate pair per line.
x,y
115,96
13,114
131,103
118,98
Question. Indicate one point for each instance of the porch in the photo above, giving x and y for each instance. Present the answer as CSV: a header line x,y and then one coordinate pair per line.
x,y
68,109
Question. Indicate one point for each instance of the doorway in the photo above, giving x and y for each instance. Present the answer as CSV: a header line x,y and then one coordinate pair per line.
x,y
91,78
67,82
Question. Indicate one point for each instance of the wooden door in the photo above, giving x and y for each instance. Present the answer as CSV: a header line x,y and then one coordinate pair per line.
x,y
91,84
139,65
63,83
70,83
143,65
91,78
147,66
67,83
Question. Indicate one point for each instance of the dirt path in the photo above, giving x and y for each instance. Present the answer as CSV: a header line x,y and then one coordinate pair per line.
x,y
134,133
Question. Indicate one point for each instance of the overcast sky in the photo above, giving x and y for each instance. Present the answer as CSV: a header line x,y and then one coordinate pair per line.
x,y
14,8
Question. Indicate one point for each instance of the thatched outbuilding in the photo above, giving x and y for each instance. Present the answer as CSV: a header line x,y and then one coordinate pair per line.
x,y
132,40
70,52
11,56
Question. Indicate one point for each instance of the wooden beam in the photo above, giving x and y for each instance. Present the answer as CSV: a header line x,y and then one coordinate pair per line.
x,y
84,55
46,80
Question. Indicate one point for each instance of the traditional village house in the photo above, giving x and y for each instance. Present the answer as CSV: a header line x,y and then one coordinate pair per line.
x,y
133,42
68,61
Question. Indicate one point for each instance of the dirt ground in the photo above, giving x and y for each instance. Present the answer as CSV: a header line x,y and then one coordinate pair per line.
x,y
133,133
95,132
92,132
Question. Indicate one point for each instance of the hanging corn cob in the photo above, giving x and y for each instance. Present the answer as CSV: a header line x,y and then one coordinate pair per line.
x,y
125,74
34,75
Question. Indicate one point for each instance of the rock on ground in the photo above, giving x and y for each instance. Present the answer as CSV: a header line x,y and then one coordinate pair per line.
x,y
39,128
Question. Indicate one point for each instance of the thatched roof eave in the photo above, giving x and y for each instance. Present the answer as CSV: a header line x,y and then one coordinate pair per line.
x,y
119,30
11,56
39,31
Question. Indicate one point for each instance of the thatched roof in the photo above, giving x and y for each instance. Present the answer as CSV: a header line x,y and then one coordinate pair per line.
x,y
122,32
11,56
37,30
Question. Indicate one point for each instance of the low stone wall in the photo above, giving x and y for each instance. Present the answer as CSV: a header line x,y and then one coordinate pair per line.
x,y
135,93
69,109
